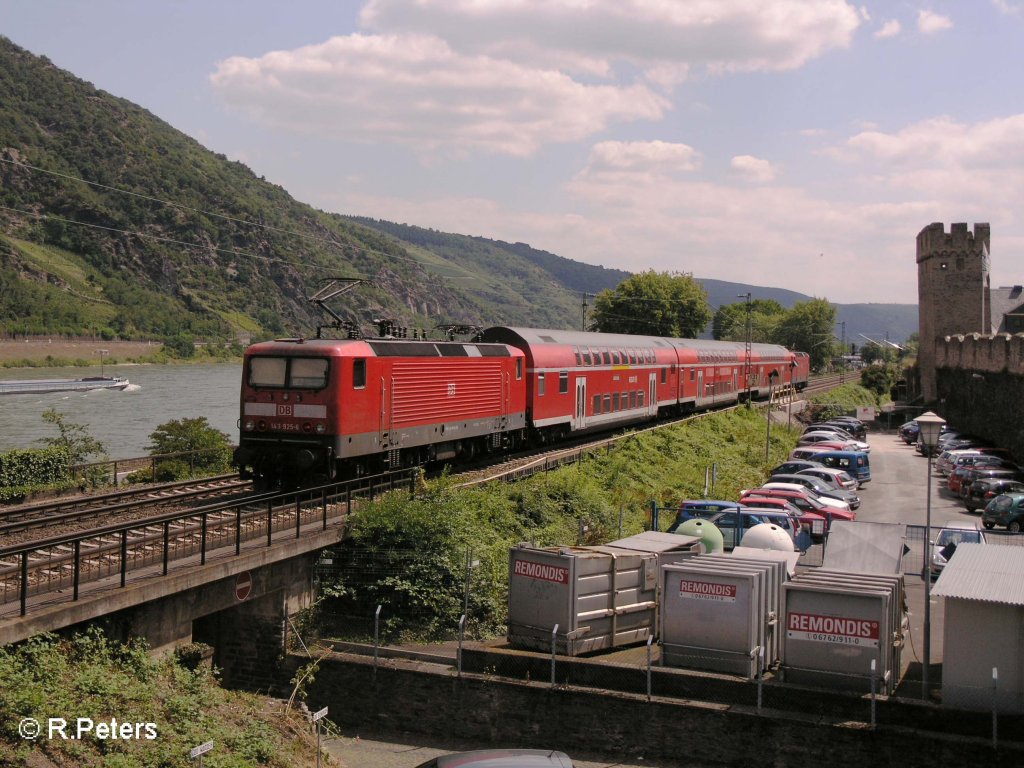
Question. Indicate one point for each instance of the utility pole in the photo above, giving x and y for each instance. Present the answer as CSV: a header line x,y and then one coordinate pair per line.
x,y
842,373
746,356
583,306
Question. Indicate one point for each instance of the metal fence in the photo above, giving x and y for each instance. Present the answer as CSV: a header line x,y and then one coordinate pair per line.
x,y
639,670
379,607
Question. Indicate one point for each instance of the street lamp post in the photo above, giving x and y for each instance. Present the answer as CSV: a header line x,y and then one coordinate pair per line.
x,y
746,356
931,428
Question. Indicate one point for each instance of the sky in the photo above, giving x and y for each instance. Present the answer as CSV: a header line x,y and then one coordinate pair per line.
x,y
797,144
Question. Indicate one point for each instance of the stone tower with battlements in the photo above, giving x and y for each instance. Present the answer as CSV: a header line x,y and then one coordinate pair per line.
x,y
952,290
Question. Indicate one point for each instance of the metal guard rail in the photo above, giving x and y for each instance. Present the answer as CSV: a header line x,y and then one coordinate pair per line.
x,y
347,490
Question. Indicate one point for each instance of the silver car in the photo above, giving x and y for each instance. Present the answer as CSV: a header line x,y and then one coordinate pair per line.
x,y
953,533
501,758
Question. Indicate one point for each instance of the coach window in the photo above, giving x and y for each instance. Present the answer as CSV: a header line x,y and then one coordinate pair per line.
x,y
597,405
519,368
586,357
664,375
632,399
607,403
540,385
640,399
615,401
616,360
563,382
606,358
579,357
359,373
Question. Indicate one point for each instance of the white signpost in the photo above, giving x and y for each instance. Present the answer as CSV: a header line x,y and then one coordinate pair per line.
x,y
199,751
317,717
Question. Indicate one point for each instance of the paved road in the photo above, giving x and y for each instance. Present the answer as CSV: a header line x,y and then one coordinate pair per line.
x,y
897,493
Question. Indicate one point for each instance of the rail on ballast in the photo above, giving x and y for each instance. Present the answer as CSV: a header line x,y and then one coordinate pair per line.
x,y
71,560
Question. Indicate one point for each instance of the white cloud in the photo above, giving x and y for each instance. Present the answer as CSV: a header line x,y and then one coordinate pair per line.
x,y
664,38
942,142
929,22
418,91
752,168
891,28
644,157
1006,7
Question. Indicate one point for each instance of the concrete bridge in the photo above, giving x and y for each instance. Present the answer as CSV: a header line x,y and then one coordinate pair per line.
x,y
228,575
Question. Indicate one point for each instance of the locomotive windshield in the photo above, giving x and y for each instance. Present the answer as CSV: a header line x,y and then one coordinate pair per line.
x,y
288,372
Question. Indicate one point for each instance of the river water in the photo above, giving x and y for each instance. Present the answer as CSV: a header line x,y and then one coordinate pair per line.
x,y
123,420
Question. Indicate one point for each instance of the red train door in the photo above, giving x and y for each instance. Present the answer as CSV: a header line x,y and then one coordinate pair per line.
x,y
385,412
652,392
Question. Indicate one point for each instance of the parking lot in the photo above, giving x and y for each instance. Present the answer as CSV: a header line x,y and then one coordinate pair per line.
x,y
897,493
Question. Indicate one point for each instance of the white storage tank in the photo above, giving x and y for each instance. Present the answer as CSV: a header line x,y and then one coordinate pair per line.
x,y
768,536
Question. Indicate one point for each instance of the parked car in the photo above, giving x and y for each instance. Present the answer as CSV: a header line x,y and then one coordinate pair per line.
x,y
795,465
833,505
703,508
819,486
501,758
953,533
960,479
908,432
831,436
807,452
854,426
971,457
854,463
1006,510
734,523
814,523
983,490
840,477
840,429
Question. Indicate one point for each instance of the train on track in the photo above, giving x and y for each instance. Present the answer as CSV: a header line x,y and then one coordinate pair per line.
x,y
315,410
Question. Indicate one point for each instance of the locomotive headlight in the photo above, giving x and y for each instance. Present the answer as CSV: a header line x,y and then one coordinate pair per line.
x,y
249,425
320,429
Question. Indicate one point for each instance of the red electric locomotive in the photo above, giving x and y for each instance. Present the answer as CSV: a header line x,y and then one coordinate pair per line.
x,y
313,410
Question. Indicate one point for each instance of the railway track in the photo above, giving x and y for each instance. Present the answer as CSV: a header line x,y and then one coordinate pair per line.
x,y
151,546
67,514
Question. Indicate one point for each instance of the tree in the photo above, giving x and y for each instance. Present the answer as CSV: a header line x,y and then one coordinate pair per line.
x,y
878,378
654,303
74,438
208,449
808,327
730,321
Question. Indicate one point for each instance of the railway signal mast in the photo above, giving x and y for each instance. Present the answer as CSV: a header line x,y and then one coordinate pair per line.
x,y
746,357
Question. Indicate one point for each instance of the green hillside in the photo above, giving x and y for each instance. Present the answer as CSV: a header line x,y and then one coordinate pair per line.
x,y
113,223
169,238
